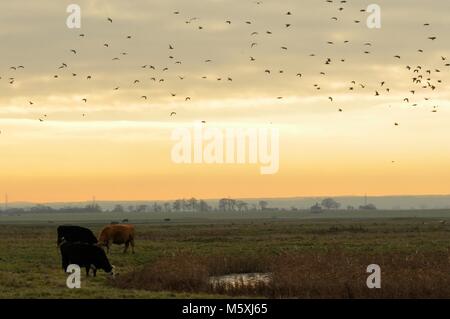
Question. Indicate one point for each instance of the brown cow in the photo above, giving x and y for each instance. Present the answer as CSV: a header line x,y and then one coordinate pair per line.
x,y
117,234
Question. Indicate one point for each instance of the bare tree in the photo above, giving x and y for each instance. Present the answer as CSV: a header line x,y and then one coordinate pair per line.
x,y
330,203
241,205
263,204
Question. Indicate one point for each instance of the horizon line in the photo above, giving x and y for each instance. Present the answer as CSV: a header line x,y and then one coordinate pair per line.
x,y
218,198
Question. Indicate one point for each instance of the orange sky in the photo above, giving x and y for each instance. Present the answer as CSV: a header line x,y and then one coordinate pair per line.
x,y
117,145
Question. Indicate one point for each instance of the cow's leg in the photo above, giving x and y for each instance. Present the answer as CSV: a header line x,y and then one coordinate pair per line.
x,y
95,272
65,264
87,270
126,247
107,247
132,245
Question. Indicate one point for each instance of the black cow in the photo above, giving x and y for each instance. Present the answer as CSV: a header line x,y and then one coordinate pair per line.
x,y
85,255
75,234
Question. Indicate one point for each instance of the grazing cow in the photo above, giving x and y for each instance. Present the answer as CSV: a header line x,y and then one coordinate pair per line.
x,y
85,255
117,234
75,234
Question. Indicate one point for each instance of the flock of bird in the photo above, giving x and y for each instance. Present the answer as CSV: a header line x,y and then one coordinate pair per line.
x,y
423,78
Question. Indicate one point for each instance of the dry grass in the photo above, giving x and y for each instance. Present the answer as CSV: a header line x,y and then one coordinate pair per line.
x,y
307,259
332,274
174,274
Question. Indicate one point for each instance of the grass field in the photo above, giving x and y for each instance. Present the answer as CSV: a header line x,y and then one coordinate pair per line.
x,y
318,257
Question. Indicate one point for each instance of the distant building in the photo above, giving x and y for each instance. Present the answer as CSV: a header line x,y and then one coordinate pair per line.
x,y
316,208
368,207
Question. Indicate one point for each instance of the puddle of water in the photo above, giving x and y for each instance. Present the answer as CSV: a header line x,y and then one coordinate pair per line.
x,y
233,280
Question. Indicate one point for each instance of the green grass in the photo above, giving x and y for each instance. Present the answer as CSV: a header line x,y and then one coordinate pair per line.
x,y
200,217
30,262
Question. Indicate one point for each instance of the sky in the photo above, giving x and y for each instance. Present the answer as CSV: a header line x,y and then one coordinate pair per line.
x,y
117,145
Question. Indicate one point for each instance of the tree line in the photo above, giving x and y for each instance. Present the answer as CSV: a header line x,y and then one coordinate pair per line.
x,y
181,205
331,204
